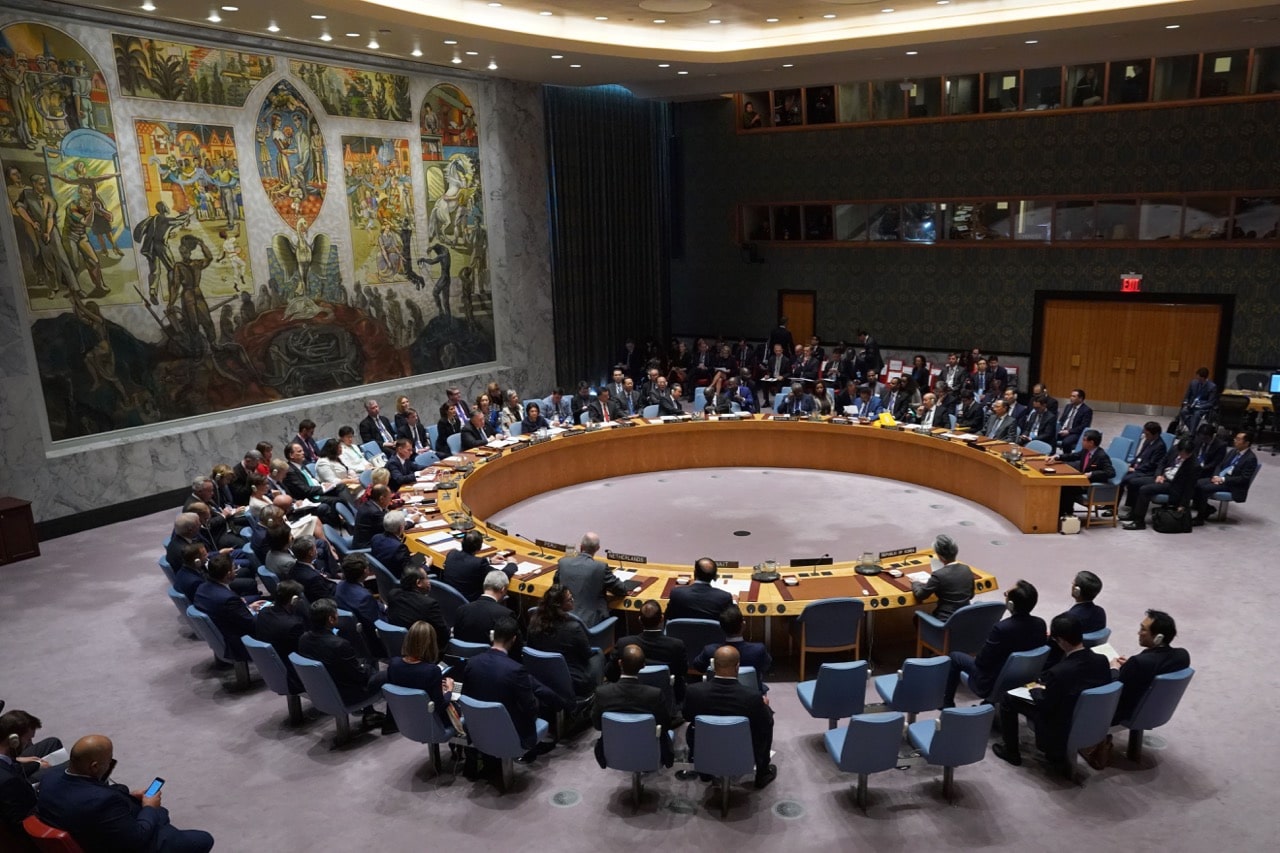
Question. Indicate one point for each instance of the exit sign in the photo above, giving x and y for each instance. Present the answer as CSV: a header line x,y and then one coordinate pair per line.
x,y
1131,282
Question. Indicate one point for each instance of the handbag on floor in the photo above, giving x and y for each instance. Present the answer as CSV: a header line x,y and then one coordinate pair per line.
x,y
1167,519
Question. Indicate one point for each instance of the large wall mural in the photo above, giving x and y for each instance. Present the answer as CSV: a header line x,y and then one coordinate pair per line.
x,y
166,313
172,71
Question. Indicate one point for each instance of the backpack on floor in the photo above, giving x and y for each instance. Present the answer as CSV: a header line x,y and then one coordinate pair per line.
x,y
1166,519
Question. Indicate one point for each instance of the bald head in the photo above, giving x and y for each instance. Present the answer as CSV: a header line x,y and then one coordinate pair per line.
x,y
631,660
725,662
91,756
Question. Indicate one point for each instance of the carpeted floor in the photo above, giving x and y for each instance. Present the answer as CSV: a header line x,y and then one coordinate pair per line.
x,y
91,643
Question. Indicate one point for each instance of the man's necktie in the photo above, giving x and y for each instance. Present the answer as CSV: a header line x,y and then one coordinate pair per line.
x,y
386,436
1230,466
1084,466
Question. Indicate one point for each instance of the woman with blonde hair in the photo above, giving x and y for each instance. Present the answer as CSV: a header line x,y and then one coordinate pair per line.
x,y
418,668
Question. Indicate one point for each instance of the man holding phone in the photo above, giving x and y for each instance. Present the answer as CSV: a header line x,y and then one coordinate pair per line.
x,y
104,816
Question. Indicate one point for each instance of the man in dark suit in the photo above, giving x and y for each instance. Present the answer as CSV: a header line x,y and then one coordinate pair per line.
x,y
459,405
301,485
722,695
895,400
412,602
388,547
590,580
999,424
603,408
415,432
869,405
475,433
969,414
356,679
104,817
754,655
1085,587
306,440
315,585
186,531
228,611
1015,410
376,428
953,373
658,648
1234,475
630,403
616,384
1178,481
629,696
1201,399
1092,461
847,397
699,600
401,465
352,596
475,620
1148,460
952,584
240,487
1038,424
1076,417
493,676
190,574
17,797
370,515
464,571
1019,632
780,336
283,624
1053,699
1157,657
869,358
663,399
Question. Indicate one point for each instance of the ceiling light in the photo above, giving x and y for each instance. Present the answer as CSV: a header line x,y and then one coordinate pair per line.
x,y
495,5
601,18
912,52
450,41
788,65
885,11
664,64
771,20
557,56
318,17
682,72
273,27
546,14
373,44
1172,26
944,2
148,6
1033,41
326,37
575,66
231,8
353,35
457,60
493,66
473,53
417,51
214,18
714,21
659,20
828,16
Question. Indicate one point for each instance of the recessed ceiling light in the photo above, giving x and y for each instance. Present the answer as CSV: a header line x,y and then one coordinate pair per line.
x,y
231,8
788,65
148,6
771,20
353,35
546,14
664,64
912,52
1172,26
602,17
557,56
828,16
885,11
1033,41
682,72
417,51
457,60
273,27
575,66
493,66
326,37
373,44
473,53
214,18
659,20
944,2
318,17
495,5
450,41
714,21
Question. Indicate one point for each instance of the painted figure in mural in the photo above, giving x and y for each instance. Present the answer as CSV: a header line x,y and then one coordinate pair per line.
x,y
317,159
390,261
439,256
14,71
465,128
100,359
442,223
36,211
282,139
102,220
232,255
152,236
186,275
227,180
82,88
302,144
430,121
395,317
467,277
77,220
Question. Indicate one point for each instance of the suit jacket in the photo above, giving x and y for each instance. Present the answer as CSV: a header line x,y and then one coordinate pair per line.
x,y
1090,616
595,410
780,335
630,404
778,366
970,418
406,606
802,404
348,671
1099,468
444,429
391,552
698,600
1083,420
569,639
310,453
1201,395
1013,634
629,696
473,437
1039,426
240,490
726,697
187,580
368,524
417,434
666,405
17,797
896,403
296,485
658,649
229,613
315,585
955,377
755,655
589,579
173,551
952,584
1242,467
871,408
1209,455
465,573
1149,459
1003,428
101,817
1140,670
1056,702
492,676
281,628
402,471
475,620
369,431
357,599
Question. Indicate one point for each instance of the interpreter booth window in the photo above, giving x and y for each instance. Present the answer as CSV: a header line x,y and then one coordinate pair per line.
x,y
921,222
1257,218
1043,88
1266,71
820,105
786,222
755,223
1130,82
925,98
977,220
1206,218
1223,74
886,222
1075,220
855,102
817,222
852,221
1116,219
1160,219
1001,94
1085,85
1033,220
788,108
962,93
1175,78
756,112
888,99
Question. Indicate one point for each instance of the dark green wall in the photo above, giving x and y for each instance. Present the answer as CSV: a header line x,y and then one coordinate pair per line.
x,y
934,297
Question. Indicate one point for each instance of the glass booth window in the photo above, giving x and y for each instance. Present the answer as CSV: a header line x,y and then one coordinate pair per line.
x,y
851,222
817,222
920,222
1116,219
1175,78
820,105
855,103
1033,220
1266,71
1002,92
1075,220
755,111
1257,218
1130,81
925,98
1084,85
1223,74
977,220
885,222
1043,88
787,110
1160,219
961,92
786,222
755,223
888,99
1206,218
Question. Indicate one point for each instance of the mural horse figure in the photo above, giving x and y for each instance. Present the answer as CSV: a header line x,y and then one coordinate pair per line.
x,y
442,223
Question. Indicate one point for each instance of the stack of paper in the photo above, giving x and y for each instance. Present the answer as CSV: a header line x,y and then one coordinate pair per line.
x,y
524,567
919,577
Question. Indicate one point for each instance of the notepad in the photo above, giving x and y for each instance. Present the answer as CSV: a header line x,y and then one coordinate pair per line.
x,y
919,577
445,547
1020,693
431,524
524,567
434,538
1107,651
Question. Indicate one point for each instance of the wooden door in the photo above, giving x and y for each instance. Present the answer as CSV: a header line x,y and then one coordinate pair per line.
x,y
800,308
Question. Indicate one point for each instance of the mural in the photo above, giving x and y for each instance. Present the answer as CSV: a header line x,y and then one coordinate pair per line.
x,y
192,181
379,205
354,93
172,71
292,161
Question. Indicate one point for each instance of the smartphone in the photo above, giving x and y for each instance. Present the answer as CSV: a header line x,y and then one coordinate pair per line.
x,y
154,788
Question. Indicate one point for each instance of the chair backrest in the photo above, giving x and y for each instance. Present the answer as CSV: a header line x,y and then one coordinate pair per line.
x,y
449,600
650,411
366,477
455,443
1019,668
584,417
1167,438
415,714
659,675
841,689
871,743
1096,638
433,432
462,649
699,398
1092,715
385,580
630,742
969,626
1039,447
962,736
516,429
1121,448
780,397
922,686
951,418
425,458
392,637
831,622
207,631
47,838
1133,432
551,669
318,685
1157,705
168,570
269,579
696,633
1251,381
348,514
370,449
179,601
269,665
337,538
490,728
723,746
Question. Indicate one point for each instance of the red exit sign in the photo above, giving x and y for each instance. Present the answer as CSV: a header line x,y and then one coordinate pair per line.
x,y
1131,282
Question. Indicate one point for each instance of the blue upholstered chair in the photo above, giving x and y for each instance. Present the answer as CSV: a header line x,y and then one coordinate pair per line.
x,y
723,750
277,676
348,514
1019,668
449,599
1091,719
455,443
416,718
491,731
659,675
169,571
649,411
551,669
958,737
209,632
1224,498
839,691
868,744
1156,707
696,634
340,540
366,477
270,580
1133,432
921,685
382,575
325,696
392,637
601,633
180,602
371,450
631,745
830,625
1096,638
426,458
461,649
1040,447
965,631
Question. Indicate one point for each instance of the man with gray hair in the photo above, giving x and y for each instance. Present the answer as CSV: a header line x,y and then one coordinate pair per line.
x,y
475,619
590,580
389,549
186,531
952,582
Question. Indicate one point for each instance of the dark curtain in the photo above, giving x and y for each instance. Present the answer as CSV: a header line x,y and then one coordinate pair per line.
x,y
608,156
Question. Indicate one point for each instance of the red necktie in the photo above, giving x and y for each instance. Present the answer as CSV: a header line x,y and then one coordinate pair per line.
x,y
1086,460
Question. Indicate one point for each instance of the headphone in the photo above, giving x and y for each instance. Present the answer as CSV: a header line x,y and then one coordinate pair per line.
x,y
1075,590
1158,639
15,742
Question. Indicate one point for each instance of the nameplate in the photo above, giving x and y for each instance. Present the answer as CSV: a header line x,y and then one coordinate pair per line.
x,y
897,552
625,558
515,447
726,564
549,546
797,562
498,528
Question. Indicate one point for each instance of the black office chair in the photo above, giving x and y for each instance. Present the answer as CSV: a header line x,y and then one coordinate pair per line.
x,y
1252,381
1231,412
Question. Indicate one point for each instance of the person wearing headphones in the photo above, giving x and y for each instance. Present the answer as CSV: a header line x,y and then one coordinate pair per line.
x,y
1157,657
19,761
